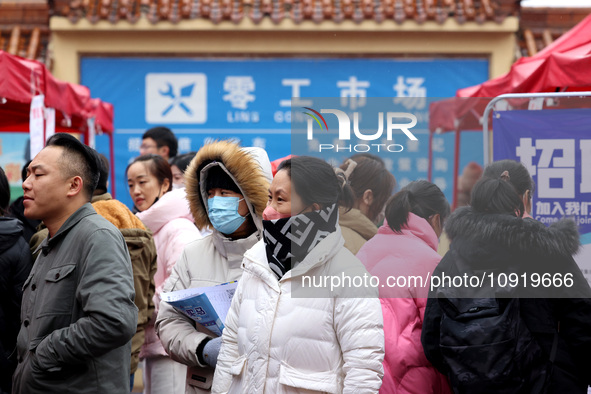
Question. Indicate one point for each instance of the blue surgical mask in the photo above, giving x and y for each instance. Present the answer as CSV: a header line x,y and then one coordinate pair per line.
x,y
223,213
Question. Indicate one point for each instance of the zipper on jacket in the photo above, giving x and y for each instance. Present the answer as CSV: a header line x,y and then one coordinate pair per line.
x,y
271,333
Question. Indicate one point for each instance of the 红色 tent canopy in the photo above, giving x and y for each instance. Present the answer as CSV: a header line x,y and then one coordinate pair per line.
x,y
22,79
562,66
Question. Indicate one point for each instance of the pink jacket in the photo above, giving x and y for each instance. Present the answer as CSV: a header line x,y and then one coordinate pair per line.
x,y
401,256
173,227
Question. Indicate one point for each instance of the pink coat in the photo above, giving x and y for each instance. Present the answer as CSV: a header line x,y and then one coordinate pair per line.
x,y
412,253
173,227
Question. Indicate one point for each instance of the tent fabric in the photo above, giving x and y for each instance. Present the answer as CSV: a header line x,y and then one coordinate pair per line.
x,y
22,79
561,66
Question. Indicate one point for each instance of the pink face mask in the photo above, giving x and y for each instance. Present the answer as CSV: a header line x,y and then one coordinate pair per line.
x,y
271,213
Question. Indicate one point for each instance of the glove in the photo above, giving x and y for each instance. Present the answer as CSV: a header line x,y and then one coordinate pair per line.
x,y
208,350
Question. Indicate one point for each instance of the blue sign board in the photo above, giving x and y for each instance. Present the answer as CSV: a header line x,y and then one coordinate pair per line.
x,y
555,146
251,100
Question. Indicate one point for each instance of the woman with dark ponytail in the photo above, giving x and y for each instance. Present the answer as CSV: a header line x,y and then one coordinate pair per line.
x,y
279,336
550,335
364,176
518,177
405,247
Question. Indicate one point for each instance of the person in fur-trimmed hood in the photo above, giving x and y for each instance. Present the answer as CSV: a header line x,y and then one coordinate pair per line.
x,y
492,236
227,188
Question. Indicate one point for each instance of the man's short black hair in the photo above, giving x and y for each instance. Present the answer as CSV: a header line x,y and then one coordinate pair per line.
x,y
77,159
103,173
183,161
163,137
24,170
4,192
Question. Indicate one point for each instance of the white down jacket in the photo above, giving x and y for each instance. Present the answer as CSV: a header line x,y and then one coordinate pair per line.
x,y
278,339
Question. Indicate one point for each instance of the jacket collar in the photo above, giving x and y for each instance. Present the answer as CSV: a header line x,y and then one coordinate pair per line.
x,y
513,233
82,212
255,259
358,222
233,250
10,226
255,262
172,205
101,197
10,231
416,226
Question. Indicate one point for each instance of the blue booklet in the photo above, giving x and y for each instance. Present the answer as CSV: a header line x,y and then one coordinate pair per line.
x,y
207,306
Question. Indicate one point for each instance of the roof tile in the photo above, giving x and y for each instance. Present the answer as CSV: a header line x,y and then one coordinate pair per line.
x,y
24,29
540,26
296,10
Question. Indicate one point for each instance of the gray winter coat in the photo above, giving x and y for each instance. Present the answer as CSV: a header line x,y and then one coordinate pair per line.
x,y
78,315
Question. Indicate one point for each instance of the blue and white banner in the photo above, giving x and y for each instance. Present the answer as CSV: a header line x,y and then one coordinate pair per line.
x,y
555,146
250,100
14,154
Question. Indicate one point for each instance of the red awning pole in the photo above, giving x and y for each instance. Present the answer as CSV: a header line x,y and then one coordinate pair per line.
x,y
456,169
112,160
430,170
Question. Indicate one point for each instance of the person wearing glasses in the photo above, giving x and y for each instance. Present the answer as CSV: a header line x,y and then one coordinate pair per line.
x,y
159,141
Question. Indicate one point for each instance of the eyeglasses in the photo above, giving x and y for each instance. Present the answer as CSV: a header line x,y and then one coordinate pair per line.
x,y
146,147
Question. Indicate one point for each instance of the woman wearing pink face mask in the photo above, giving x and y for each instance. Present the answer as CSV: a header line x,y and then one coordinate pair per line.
x,y
282,335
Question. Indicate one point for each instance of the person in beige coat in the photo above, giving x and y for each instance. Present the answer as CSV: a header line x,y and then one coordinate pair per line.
x,y
372,185
221,175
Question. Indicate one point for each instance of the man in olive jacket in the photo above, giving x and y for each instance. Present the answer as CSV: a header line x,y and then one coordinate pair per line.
x,y
78,314
142,252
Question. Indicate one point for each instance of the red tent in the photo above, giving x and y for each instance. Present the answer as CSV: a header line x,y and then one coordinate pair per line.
x,y
562,66
22,79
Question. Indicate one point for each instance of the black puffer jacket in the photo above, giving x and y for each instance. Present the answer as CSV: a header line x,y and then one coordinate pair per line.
x,y
482,241
15,265
17,211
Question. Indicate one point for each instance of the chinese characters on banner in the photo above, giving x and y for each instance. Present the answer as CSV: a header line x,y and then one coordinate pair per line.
x,y
555,146
251,100
36,124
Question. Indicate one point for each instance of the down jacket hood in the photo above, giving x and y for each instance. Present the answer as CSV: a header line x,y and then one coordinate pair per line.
x,y
249,168
513,233
10,231
172,205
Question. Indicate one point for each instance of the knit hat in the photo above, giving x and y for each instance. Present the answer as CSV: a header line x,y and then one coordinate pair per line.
x,y
218,178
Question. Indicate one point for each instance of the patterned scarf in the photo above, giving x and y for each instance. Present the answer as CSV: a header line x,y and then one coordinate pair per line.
x,y
289,240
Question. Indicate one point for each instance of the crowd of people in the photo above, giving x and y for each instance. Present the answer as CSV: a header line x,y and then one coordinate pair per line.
x,y
82,278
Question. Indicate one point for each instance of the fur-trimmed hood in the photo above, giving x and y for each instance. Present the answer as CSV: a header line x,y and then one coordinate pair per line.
x,y
513,233
249,168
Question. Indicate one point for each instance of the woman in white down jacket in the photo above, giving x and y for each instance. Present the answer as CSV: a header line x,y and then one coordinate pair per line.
x,y
283,334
